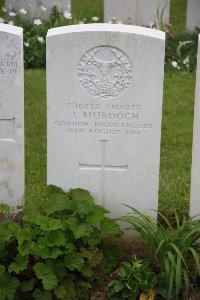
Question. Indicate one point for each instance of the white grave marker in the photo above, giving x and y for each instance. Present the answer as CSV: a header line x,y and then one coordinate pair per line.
x,y
193,15
137,12
37,8
11,115
195,175
104,112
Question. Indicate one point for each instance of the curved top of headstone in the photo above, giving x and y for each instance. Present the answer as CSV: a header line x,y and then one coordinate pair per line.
x,y
101,27
11,29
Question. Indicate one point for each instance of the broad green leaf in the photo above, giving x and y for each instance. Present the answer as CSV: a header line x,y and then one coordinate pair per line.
x,y
96,259
26,248
8,229
58,267
74,261
110,227
79,230
19,265
45,252
83,202
45,273
48,223
87,271
60,292
96,215
53,189
8,286
28,285
42,295
94,238
57,202
55,238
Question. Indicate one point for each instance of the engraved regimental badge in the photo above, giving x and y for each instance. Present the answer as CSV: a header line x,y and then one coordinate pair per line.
x,y
105,72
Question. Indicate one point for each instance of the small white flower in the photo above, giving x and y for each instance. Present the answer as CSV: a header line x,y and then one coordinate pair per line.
x,y
67,15
26,44
2,20
113,21
151,25
174,64
186,60
43,8
23,11
12,14
95,19
37,22
40,39
81,22
11,23
4,9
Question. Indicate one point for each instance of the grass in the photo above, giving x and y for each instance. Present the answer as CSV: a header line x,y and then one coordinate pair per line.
x,y
176,142
175,148
87,9
178,15
35,132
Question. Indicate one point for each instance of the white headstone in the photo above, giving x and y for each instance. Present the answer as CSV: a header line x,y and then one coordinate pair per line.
x,y
193,15
137,12
104,92
11,115
195,175
30,6
37,8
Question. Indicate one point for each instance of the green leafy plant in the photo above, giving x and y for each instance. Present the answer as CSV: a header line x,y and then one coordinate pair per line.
x,y
133,279
52,252
174,251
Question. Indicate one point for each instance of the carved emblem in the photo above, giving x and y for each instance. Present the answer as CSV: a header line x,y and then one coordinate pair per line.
x,y
105,72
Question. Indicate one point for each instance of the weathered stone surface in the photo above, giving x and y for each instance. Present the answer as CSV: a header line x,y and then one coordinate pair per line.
x,y
195,175
11,115
193,15
137,12
104,102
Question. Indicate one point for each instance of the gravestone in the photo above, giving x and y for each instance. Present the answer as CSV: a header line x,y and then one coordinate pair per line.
x,y
11,115
137,12
195,174
193,15
37,8
104,105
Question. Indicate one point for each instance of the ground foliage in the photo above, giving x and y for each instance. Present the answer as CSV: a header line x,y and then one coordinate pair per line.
x,y
51,250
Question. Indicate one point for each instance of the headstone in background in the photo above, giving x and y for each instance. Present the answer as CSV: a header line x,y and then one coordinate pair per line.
x,y
195,175
193,15
37,8
11,115
137,12
104,111
121,11
30,6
